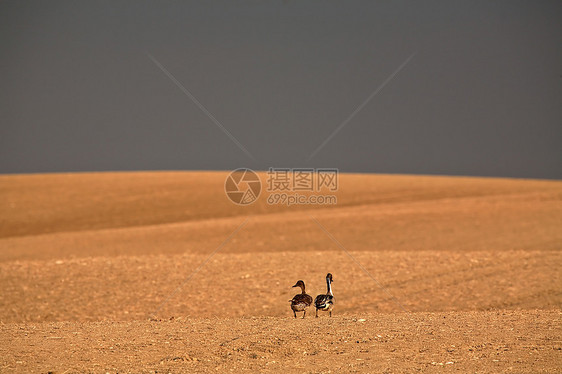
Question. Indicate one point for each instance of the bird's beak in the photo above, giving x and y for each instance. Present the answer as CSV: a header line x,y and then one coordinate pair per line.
x,y
294,286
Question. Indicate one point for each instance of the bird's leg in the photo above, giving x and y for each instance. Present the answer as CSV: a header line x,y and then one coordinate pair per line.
x,y
330,313
304,314
316,312
295,314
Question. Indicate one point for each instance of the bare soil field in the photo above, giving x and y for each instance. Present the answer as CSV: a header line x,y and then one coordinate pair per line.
x,y
160,272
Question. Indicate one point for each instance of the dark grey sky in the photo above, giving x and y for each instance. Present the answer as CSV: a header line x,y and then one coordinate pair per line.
x,y
481,96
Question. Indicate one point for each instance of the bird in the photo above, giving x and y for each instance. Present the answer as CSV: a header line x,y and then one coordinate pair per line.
x,y
325,302
301,301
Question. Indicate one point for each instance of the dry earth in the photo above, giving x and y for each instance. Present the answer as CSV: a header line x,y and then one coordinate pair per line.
x,y
159,272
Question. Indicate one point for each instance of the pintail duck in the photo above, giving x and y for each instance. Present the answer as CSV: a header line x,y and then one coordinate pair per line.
x,y
301,301
325,302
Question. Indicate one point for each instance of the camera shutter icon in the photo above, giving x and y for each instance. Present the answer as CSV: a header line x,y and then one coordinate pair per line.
x,y
242,186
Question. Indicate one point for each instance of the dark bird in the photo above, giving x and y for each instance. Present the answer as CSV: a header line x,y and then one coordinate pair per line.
x,y
325,302
301,301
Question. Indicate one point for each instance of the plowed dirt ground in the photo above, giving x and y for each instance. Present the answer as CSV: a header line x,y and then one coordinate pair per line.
x,y
160,272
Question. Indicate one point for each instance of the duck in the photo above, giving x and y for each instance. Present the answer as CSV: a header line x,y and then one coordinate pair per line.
x,y
301,301
325,302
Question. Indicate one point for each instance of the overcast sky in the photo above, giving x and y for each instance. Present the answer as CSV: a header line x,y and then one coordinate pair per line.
x,y
432,87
